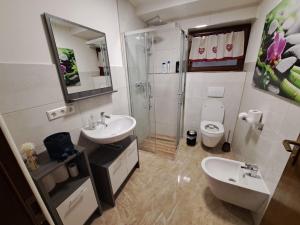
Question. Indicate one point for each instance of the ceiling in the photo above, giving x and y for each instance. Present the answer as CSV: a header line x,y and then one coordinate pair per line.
x,y
170,10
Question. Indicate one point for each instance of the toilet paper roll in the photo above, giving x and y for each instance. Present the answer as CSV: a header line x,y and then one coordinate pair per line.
x,y
254,115
243,115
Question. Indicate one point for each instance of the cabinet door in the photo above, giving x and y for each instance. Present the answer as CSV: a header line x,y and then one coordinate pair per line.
x,y
118,172
78,207
131,155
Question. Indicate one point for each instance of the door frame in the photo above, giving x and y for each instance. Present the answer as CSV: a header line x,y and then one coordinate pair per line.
x,y
24,169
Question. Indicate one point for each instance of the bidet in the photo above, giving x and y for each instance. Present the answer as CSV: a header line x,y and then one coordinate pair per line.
x,y
229,180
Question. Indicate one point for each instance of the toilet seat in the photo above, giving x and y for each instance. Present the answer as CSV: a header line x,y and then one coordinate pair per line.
x,y
212,128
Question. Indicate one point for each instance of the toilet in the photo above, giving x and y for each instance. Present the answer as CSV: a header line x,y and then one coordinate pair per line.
x,y
211,127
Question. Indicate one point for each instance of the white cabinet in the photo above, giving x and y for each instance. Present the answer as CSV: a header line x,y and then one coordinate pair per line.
x,y
112,165
79,206
131,156
118,172
121,167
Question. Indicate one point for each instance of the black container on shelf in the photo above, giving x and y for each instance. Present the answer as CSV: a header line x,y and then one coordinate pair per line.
x,y
191,137
59,146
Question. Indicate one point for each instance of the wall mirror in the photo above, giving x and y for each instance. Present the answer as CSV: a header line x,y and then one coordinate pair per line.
x,y
81,58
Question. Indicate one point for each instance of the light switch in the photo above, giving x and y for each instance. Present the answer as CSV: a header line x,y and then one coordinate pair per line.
x,y
60,112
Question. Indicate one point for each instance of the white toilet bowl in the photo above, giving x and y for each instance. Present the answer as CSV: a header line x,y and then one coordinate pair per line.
x,y
211,127
211,133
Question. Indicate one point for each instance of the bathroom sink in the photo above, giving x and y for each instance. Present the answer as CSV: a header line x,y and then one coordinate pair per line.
x,y
118,127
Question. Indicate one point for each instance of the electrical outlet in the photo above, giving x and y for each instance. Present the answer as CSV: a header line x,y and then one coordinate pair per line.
x,y
60,112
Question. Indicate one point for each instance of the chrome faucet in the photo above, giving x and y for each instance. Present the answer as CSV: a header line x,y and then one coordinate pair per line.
x,y
253,169
249,166
102,118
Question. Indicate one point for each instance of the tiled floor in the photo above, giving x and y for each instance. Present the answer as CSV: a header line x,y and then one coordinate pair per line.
x,y
172,192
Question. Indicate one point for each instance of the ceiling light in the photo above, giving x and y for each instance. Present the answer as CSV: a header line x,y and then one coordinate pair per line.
x,y
201,26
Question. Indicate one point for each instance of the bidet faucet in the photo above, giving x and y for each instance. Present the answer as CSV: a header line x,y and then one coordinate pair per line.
x,y
253,170
249,166
102,118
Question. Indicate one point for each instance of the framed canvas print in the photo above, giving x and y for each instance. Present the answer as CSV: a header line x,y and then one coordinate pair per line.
x,y
278,63
68,66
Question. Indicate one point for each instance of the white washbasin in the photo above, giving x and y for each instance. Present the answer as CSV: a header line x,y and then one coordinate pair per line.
x,y
118,127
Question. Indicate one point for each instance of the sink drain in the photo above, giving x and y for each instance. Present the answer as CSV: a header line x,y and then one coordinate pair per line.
x,y
231,179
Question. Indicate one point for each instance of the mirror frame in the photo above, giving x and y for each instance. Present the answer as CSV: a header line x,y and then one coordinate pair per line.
x,y
70,97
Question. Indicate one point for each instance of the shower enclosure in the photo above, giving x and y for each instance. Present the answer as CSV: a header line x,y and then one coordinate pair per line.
x,y
156,75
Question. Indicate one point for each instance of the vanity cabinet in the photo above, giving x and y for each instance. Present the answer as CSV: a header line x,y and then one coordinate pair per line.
x,y
78,207
73,201
112,166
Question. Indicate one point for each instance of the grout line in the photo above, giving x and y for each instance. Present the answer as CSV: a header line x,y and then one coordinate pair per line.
x,y
34,107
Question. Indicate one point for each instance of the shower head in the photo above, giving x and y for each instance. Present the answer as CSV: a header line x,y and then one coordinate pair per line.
x,y
155,21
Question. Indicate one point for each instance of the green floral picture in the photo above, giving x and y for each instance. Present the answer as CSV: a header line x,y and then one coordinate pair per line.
x,y
68,66
278,62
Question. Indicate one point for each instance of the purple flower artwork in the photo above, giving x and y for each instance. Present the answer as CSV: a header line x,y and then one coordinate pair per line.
x,y
278,63
276,49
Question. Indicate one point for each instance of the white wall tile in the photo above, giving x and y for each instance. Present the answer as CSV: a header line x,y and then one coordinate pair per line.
x,y
32,125
29,90
24,86
118,77
196,92
94,106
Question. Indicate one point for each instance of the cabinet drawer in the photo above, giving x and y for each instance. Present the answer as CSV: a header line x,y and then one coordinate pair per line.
x,y
131,156
118,172
78,207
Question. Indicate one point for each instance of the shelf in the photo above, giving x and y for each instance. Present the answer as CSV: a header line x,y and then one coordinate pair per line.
x,y
63,190
174,73
46,165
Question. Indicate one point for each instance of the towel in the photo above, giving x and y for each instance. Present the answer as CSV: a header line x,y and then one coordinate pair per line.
x,y
198,49
194,48
212,47
202,51
218,47
228,45
238,44
221,46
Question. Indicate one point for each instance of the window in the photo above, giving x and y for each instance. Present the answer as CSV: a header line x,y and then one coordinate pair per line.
x,y
218,49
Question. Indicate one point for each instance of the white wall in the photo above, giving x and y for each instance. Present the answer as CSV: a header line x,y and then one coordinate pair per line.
x,y
226,17
86,57
23,38
128,19
196,93
197,83
281,117
29,81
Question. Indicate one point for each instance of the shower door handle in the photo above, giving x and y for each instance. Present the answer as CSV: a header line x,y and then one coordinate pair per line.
x,y
150,90
150,94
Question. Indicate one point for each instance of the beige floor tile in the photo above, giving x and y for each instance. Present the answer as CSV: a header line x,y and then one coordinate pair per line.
x,y
172,192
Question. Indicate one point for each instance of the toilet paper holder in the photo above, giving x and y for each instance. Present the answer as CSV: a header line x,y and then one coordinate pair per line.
x,y
253,117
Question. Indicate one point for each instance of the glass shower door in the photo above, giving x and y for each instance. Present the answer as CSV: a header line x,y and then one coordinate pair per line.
x,y
140,88
157,87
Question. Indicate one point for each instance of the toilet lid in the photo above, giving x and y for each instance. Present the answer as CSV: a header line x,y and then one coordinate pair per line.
x,y
212,127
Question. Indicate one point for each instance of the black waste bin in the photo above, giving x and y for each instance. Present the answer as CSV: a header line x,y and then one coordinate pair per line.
x,y
191,137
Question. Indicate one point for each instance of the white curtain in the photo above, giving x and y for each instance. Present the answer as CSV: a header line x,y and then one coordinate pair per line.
x,y
218,47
